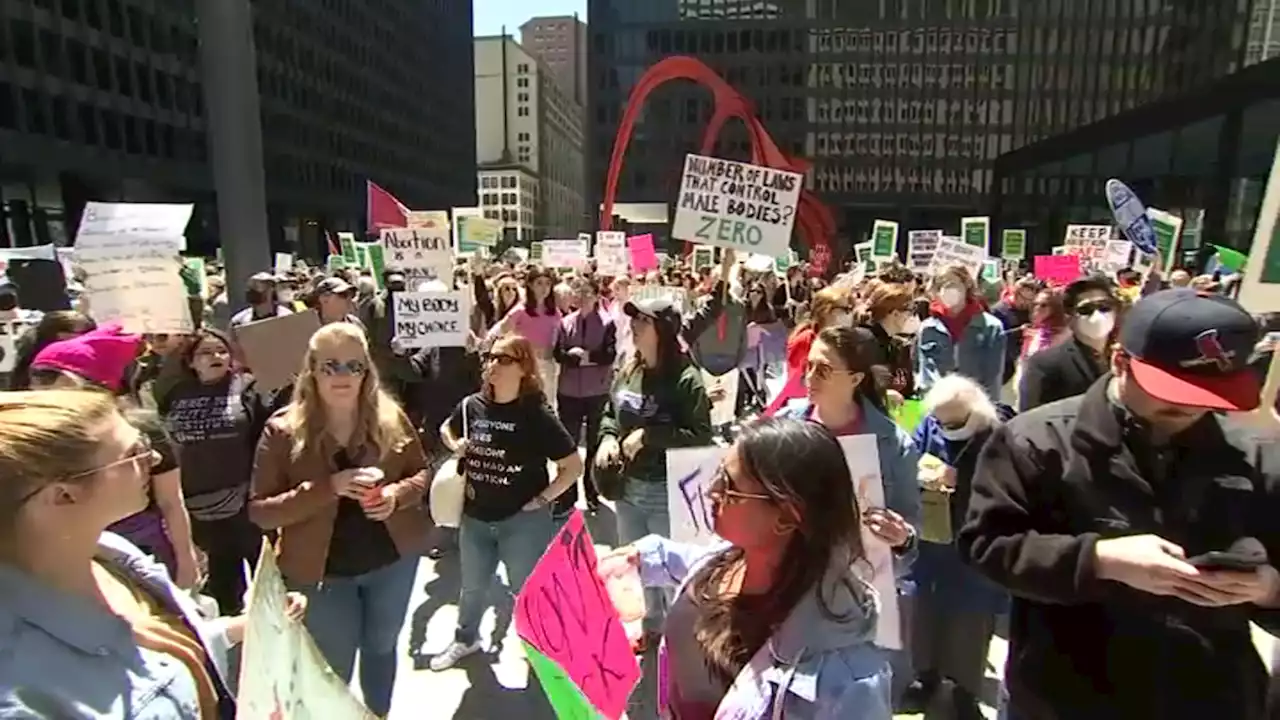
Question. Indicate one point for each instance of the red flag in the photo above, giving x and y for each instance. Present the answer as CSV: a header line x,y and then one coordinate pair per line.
x,y
793,390
334,248
383,210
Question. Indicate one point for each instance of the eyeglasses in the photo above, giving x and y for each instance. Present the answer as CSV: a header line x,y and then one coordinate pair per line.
x,y
500,358
720,491
820,370
1093,306
335,368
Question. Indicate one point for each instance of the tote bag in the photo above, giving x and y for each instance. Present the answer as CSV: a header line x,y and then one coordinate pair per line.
x,y
449,487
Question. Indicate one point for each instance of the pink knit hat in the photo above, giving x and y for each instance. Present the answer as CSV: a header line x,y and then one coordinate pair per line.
x,y
100,356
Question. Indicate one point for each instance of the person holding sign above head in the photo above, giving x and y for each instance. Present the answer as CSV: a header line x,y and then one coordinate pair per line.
x,y
657,402
774,620
504,436
340,474
960,336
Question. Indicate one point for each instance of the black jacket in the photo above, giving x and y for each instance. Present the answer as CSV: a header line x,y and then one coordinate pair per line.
x,y
1064,370
1014,321
1054,481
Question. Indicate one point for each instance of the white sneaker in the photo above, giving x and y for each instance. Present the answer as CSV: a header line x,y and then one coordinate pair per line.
x,y
452,654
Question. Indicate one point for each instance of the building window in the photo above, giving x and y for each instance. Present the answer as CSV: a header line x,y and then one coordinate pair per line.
x,y
522,82
522,69
508,181
522,111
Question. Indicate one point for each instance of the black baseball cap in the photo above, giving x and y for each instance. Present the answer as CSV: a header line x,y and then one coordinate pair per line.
x,y
1190,348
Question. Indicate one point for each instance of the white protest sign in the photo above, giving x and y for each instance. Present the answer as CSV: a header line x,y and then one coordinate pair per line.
x,y
1089,242
689,474
283,263
432,319
863,456
130,256
282,673
1116,257
677,296
564,253
1260,288
422,253
37,252
9,334
722,390
611,253
921,245
737,205
952,251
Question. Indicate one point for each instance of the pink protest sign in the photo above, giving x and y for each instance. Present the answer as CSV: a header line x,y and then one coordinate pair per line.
x,y
643,256
1058,269
564,612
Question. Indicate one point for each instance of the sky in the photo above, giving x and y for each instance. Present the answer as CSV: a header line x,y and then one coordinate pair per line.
x,y
491,15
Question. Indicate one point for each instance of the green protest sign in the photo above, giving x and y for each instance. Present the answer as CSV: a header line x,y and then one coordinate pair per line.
x,y
566,699
1014,244
884,239
976,231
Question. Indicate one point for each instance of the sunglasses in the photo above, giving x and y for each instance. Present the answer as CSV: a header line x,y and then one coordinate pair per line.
x,y
335,368
1089,308
820,370
500,358
720,490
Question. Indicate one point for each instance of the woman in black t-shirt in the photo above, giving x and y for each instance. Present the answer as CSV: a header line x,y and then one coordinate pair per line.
x,y
504,436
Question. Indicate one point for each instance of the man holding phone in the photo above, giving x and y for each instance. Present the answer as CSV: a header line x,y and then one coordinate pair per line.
x,y
1136,527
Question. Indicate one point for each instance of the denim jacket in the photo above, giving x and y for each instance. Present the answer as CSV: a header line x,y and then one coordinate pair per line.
x,y
899,471
979,356
814,667
65,658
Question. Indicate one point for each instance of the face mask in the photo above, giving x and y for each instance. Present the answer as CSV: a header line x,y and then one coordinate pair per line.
x,y
1096,326
255,297
843,318
952,297
396,287
964,432
286,296
8,302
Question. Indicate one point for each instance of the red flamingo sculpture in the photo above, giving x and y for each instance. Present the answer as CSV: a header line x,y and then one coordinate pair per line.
x,y
814,220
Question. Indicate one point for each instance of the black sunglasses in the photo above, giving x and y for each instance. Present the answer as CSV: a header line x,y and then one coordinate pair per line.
x,y
500,358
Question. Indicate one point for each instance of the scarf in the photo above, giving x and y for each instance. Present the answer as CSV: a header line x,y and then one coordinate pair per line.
x,y
955,321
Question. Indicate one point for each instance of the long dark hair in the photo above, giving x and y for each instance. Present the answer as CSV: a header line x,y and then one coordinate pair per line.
x,y
671,356
797,463
193,344
760,312
53,324
860,352
548,302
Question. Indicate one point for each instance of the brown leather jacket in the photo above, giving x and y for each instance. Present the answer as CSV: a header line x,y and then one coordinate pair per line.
x,y
295,497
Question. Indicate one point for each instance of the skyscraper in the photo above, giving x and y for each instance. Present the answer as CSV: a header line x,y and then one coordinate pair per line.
x,y
560,42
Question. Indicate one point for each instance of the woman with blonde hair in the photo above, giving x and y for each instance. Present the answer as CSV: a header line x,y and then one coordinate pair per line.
x,y
829,307
504,436
340,474
91,626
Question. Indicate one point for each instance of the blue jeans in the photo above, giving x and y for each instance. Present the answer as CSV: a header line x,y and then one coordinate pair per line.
x,y
365,613
643,511
517,542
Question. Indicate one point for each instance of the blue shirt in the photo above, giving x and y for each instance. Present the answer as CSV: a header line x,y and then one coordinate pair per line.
x,y
63,657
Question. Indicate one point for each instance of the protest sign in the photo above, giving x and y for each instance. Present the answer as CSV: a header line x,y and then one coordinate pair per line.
x,y
1168,230
737,205
130,255
991,270
723,392
432,319
336,262
1260,288
478,232
535,252
1088,242
1130,215
677,296
1116,256
976,231
564,253
783,263
566,618
863,457
921,245
611,253
704,256
275,348
640,253
884,239
1013,244
690,472
951,251
9,334
38,252
347,243
422,253
1057,269
283,263
282,673
862,252
426,219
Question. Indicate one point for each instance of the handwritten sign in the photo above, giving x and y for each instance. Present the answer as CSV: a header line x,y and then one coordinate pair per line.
x,y
423,254
723,392
432,319
564,253
951,252
690,472
611,253
130,256
1057,269
282,673
737,205
564,612
863,456
921,246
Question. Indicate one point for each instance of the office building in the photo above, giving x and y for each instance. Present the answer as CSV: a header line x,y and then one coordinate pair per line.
x,y
560,42
529,141
109,100
902,105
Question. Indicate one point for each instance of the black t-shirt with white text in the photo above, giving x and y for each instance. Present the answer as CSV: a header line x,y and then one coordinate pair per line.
x,y
508,446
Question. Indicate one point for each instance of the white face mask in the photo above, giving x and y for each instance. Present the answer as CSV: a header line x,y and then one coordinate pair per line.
x,y
964,432
1097,325
952,297
843,318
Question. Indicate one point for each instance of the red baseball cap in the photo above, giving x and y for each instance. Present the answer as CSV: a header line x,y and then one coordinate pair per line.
x,y
1190,348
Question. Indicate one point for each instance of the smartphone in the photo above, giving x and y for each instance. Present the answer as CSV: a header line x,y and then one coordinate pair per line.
x,y
1219,560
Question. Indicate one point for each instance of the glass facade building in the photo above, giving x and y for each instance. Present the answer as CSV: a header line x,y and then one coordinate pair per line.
x,y
104,100
902,105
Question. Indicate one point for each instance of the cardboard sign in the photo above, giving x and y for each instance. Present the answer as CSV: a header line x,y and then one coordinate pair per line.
x,y
863,457
737,205
951,251
130,255
564,253
690,472
432,319
275,348
423,254
565,615
611,253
